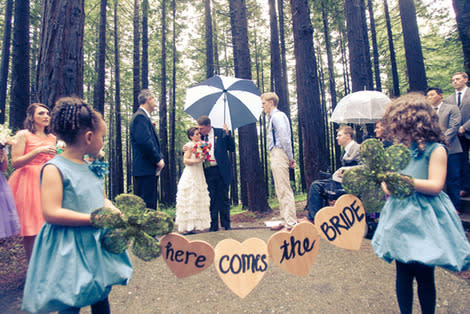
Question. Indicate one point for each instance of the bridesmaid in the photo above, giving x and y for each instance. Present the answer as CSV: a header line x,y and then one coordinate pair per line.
x,y
9,224
32,147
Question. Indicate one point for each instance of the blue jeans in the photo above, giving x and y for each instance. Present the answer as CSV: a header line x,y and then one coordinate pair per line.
x,y
318,194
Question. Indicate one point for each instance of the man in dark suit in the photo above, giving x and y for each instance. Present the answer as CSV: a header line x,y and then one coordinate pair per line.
x,y
320,189
461,98
147,161
449,119
219,172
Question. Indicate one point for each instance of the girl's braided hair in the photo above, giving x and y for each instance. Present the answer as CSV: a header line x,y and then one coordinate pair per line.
x,y
72,116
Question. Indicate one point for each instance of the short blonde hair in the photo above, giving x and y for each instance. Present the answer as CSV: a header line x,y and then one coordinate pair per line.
x,y
271,96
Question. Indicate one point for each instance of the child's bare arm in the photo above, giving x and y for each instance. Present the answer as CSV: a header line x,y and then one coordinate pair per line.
x,y
436,174
51,195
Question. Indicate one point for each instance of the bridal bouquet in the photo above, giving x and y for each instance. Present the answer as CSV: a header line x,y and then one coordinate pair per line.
x,y
5,135
202,148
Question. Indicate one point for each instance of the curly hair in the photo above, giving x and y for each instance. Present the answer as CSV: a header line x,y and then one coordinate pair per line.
x,y
72,116
410,118
29,123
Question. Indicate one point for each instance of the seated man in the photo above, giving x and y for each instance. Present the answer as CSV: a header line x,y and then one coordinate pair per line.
x,y
320,189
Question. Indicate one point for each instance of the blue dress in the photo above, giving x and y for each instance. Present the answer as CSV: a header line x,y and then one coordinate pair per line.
x,y
68,267
422,228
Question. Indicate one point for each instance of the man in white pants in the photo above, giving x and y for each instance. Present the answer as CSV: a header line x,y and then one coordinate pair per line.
x,y
282,158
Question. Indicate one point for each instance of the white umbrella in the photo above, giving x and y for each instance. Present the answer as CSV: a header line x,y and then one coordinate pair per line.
x,y
226,100
361,107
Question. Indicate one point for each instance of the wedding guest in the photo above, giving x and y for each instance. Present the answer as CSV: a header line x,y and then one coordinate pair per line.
x,y
31,148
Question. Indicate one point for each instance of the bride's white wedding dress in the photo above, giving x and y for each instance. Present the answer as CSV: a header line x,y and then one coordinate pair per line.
x,y
192,198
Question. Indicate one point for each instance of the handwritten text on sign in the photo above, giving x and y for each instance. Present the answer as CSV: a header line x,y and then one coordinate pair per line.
x,y
185,258
295,251
241,266
344,224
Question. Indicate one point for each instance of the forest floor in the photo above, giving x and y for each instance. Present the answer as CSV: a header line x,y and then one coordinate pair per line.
x,y
13,262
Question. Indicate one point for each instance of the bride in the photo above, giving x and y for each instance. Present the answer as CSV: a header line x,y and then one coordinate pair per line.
x,y
192,198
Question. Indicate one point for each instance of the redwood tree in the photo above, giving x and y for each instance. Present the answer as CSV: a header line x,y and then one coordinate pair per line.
x,y
19,96
413,52
462,15
358,44
5,58
250,165
98,92
60,70
308,97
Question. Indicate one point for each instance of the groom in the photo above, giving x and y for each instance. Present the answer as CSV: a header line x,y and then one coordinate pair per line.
x,y
219,171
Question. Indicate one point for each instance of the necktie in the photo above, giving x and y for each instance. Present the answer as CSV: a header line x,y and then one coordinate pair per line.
x,y
458,98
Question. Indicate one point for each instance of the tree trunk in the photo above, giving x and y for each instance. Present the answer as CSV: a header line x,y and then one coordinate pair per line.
x,y
413,52
172,149
163,126
308,97
331,84
117,180
462,15
250,165
375,49
98,92
5,58
136,57
209,46
276,66
391,48
61,66
145,44
358,44
19,96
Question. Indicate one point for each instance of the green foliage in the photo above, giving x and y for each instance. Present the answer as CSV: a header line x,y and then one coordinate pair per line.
x,y
134,222
379,166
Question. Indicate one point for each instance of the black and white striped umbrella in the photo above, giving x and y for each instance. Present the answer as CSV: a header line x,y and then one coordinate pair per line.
x,y
226,100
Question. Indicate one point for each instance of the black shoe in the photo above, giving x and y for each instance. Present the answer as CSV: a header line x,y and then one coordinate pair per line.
x,y
213,230
228,228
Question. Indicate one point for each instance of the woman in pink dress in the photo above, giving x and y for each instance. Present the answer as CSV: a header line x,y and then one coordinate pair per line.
x,y
32,147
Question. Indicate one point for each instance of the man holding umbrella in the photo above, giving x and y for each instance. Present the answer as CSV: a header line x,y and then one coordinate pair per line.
x,y
282,158
219,171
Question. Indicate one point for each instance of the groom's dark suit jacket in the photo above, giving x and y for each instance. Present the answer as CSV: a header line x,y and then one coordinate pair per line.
x,y
222,144
145,145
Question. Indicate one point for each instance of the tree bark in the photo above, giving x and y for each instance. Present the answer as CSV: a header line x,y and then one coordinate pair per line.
x,y
375,49
358,44
136,57
413,52
60,70
462,15
163,125
308,96
391,48
6,43
117,180
98,92
172,149
145,45
250,165
209,46
19,96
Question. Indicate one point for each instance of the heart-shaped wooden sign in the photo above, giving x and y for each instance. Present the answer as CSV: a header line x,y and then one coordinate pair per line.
x,y
344,224
241,266
296,250
186,258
